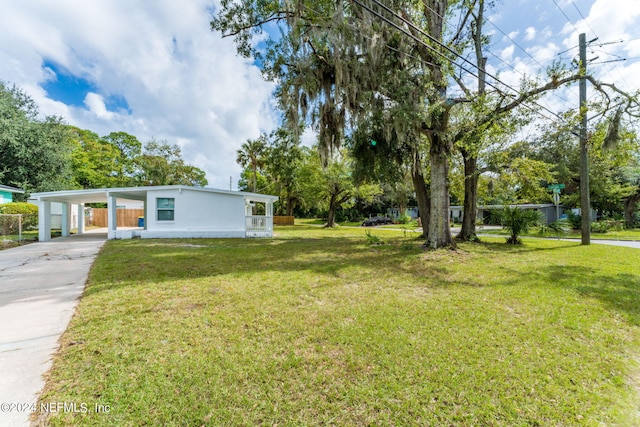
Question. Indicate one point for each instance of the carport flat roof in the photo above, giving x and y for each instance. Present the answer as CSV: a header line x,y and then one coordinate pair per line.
x,y
100,195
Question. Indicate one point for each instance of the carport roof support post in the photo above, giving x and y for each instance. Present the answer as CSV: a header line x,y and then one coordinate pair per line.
x,y
65,220
81,218
44,221
112,219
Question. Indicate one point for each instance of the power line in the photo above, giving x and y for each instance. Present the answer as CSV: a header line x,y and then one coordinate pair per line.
x,y
516,44
584,19
501,60
557,95
421,42
578,31
565,15
386,45
448,49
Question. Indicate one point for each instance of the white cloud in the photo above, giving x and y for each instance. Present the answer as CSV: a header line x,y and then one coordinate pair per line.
x,y
507,53
618,37
182,82
530,34
95,104
544,53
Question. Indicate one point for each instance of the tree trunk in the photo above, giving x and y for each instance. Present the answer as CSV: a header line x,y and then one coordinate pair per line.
x,y
422,196
290,205
630,207
439,224
331,215
470,209
439,230
254,179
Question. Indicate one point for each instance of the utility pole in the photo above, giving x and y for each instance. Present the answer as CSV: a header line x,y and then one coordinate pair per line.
x,y
585,203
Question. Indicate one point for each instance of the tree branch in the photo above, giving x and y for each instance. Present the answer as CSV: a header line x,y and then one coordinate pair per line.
x,y
280,15
600,87
464,87
553,84
462,25
320,57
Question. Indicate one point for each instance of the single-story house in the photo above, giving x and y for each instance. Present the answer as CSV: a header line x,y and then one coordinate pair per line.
x,y
6,193
550,212
396,213
169,211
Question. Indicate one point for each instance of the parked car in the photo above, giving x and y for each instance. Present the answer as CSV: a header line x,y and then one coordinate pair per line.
x,y
377,220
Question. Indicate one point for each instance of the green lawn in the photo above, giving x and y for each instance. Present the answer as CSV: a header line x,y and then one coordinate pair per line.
x,y
317,327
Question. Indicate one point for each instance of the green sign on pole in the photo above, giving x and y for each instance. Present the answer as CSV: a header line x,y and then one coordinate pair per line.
x,y
556,187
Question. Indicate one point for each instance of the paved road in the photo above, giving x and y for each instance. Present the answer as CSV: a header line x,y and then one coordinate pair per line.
x,y
625,243
40,285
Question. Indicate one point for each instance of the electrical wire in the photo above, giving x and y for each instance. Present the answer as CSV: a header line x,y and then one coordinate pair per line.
x,y
606,68
583,18
421,42
565,15
554,93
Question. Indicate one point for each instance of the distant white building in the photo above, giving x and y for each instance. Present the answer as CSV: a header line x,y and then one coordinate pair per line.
x,y
548,210
170,211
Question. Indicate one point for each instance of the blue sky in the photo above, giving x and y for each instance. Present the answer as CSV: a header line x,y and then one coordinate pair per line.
x,y
155,70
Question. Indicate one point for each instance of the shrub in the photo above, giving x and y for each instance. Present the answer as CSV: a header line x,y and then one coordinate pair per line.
x,y
517,221
600,227
607,225
559,227
575,220
19,208
616,224
404,219
29,219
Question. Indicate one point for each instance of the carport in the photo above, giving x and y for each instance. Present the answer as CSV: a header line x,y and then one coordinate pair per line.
x,y
80,198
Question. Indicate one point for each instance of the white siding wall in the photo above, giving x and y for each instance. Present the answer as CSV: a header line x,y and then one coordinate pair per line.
x,y
197,214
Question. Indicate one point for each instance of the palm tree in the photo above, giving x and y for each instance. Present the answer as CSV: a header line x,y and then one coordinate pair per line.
x,y
251,155
517,221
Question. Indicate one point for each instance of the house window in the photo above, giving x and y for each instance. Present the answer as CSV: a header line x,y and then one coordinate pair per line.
x,y
165,208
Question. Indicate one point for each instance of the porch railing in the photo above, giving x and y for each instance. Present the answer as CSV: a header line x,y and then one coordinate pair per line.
x,y
259,226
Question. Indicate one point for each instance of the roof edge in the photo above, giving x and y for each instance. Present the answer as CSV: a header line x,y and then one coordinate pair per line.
x,y
11,189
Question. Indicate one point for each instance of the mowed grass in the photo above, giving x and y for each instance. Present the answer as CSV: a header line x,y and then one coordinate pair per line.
x,y
316,327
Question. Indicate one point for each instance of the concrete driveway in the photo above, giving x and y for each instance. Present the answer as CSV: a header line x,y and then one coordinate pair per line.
x,y
40,285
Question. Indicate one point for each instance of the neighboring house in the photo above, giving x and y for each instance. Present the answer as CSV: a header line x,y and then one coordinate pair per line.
x,y
456,212
549,211
170,211
396,213
6,193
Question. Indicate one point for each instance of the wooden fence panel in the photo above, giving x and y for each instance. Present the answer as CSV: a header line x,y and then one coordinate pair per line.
x,y
124,217
283,220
